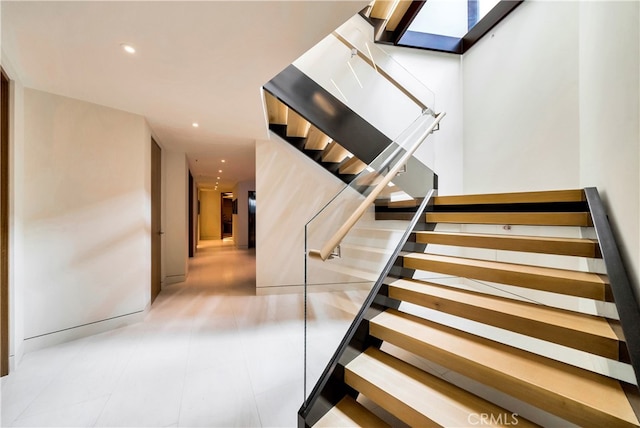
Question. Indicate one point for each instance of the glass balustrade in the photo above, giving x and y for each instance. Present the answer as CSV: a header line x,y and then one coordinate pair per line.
x,y
360,74
336,287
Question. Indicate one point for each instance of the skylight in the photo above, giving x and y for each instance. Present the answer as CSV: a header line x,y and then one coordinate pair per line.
x,y
454,25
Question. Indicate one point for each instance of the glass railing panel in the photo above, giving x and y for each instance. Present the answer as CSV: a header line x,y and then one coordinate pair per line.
x,y
336,288
385,65
366,79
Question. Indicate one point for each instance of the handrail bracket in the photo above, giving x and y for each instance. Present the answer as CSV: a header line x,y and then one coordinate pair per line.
x,y
336,253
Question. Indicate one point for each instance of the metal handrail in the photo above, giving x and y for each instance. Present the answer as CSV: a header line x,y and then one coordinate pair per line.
x,y
625,299
335,240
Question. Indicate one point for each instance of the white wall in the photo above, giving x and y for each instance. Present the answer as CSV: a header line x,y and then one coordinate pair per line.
x,y
441,73
175,249
86,198
241,219
551,101
521,127
609,116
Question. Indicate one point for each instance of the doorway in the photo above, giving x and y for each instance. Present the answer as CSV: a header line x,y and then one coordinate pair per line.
x,y
156,220
226,214
252,219
4,224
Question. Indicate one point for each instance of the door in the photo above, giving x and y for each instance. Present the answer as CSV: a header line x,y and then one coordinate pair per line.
x,y
156,223
192,223
252,219
4,225
226,216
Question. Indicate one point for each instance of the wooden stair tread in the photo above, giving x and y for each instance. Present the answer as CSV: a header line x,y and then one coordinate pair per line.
x,y
297,126
334,153
517,218
316,139
352,166
370,179
534,244
394,215
349,413
571,195
403,203
575,394
276,110
573,283
579,331
414,396
368,249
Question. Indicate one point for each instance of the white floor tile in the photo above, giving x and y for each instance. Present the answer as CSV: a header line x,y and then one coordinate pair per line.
x,y
209,353
82,414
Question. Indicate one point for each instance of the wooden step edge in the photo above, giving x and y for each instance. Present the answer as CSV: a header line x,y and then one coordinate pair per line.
x,y
533,244
277,111
316,139
582,219
405,203
575,394
352,166
398,13
297,126
571,195
334,153
389,215
575,330
415,397
572,283
349,413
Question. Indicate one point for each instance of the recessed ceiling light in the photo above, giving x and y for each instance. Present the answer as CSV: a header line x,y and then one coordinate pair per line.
x,y
195,124
223,161
219,170
218,178
217,182
128,48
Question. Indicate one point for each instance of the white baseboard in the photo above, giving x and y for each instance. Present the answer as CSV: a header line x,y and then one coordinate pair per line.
x,y
174,279
67,335
318,288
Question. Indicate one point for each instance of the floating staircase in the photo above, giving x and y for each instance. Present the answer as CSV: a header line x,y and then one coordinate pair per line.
x,y
300,133
498,310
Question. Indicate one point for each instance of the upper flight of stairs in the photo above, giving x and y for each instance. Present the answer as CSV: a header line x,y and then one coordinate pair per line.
x,y
295,129
498,305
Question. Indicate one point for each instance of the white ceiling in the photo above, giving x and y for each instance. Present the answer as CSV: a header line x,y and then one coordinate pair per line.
x,y
202,61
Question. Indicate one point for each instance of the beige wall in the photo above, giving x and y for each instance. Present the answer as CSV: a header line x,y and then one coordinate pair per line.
x,y
16,215
86,215
175,222
210,210
290,189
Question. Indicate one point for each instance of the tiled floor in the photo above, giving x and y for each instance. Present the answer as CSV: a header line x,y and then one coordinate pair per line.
x,y
209,353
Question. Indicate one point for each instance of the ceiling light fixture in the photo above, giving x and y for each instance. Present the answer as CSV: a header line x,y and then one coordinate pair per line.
x,y
128,48
195,124
223,161
218,178
219,170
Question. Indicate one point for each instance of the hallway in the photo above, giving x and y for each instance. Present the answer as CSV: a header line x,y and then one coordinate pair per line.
x,y
209,353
